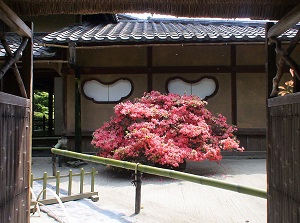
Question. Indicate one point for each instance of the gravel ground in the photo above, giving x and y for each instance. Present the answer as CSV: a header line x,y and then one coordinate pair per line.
x,y
164,200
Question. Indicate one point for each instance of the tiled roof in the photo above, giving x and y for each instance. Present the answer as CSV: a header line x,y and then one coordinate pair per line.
x,y
162,31
38,51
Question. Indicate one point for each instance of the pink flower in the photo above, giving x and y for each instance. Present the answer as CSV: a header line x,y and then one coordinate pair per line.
x,y
165,129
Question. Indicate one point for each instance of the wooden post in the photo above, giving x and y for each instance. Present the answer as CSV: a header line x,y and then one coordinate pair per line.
x,y
27,68
233,85
53,164
78,135
72,62
270,65
64,108
50,108
271,70
138,191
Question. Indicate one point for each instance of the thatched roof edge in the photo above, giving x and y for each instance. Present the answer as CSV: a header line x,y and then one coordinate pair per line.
x,y
263,9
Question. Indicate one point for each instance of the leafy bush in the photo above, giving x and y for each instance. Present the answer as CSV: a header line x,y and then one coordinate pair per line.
x,y
164,129
40,104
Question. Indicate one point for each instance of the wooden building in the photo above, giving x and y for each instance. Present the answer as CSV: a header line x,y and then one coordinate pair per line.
x,y
113,52
238,68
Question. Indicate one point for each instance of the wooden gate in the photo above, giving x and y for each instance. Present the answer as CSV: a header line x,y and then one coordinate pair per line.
x,y
14,157
15,121
284,159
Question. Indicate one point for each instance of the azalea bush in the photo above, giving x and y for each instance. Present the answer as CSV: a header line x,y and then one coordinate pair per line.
x,y
164,129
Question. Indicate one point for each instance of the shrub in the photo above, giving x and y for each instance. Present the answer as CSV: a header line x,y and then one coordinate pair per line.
x,y
164,129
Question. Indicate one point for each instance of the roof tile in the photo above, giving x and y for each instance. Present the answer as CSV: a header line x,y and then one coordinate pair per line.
x,y
38,50
149,31
163,31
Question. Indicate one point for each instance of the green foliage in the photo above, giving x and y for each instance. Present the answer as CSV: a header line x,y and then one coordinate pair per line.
x,y
40,104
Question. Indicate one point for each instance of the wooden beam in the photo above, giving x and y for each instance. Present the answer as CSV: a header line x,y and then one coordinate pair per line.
x,y
13,21
13,100
288,21
167,69
286,100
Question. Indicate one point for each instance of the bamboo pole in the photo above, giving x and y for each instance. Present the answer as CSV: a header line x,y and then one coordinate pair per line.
x,y
31,180
70,182
63,176
165,173
81,180
57,182
44,185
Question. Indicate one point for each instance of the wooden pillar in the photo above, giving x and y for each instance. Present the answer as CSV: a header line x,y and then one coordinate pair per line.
x,y
27,66
78,134
77,99
50,108
270,65
64,108
149,69
233,85
270,68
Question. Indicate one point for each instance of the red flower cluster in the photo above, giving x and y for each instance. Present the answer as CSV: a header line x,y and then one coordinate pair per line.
x,y
164,129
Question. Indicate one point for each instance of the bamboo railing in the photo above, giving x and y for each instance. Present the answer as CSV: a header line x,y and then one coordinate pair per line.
x,y
140,168
69,197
